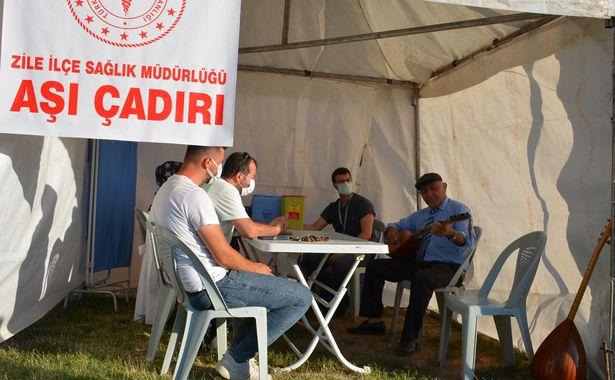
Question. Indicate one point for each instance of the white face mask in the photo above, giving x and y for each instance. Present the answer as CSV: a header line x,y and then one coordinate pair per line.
x,y
345,188
245,191
218,171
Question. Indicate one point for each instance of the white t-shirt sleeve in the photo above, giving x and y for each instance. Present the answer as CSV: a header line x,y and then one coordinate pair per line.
x,y
200,209
229,205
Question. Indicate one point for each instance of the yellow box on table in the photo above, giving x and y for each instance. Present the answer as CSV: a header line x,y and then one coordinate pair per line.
x,y
292,209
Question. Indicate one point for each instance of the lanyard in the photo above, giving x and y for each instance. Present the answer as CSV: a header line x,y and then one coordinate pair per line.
x,y
339,213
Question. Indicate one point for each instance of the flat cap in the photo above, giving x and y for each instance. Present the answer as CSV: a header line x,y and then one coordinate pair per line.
x,y
427,178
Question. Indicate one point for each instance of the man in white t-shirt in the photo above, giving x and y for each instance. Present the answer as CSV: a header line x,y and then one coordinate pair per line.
x,y
185,208
238,180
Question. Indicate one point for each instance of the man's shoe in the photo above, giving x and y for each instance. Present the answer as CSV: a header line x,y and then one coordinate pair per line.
x,y
254,370
367,328
229,369
406,348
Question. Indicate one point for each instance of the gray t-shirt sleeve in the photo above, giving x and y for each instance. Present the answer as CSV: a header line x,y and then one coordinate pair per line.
x,y
228,205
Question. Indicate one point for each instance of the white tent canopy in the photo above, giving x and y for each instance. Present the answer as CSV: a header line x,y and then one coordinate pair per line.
x,y
511,108
412,57
581,8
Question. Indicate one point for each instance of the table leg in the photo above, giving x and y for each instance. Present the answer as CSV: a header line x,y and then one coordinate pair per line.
x,y
249,250
324,334
251,253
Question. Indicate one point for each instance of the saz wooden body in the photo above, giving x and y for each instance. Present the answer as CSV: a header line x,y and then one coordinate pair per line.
x,y
409,244
561,356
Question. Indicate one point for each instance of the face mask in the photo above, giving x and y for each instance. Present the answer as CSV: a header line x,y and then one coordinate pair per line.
x,y
345,188
245,191
218,171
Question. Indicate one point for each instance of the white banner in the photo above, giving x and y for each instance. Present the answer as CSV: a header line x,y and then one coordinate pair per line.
x,y
138,70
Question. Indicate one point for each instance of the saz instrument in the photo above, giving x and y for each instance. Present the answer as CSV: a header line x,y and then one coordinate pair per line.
x,y
409,243
561,355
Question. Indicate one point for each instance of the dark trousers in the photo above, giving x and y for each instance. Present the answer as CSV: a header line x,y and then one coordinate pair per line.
x,y
425,277
332,273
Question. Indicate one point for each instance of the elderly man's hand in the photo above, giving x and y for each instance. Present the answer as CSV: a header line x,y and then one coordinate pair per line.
x,y
440,228
392,236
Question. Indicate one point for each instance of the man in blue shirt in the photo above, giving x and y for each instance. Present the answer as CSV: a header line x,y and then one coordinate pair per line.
x,y
440,253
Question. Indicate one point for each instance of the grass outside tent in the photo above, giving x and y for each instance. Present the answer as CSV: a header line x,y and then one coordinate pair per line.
x,y
91,341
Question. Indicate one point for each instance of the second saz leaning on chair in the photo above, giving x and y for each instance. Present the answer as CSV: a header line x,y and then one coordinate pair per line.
x,y
187,211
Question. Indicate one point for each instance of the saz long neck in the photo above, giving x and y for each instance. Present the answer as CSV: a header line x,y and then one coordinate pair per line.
x,y
588,272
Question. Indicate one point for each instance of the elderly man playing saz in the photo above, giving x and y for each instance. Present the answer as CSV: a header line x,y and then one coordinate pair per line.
x,y
439,254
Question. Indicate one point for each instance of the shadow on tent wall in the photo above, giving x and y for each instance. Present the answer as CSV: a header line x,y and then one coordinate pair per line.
x,y
42,226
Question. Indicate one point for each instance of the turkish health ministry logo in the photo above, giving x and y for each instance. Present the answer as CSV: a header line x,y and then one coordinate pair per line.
x,y
127,23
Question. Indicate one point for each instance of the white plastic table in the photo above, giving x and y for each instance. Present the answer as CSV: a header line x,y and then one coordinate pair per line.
x,y
337,244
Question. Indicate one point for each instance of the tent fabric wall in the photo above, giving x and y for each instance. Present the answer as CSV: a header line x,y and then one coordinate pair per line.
x,y
301,129
585,8
528,148
42,218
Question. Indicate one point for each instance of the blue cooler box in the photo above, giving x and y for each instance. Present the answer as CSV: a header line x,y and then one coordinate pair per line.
x,y
265,208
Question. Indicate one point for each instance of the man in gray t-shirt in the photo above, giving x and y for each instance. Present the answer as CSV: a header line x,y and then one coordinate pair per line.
x,y
238,179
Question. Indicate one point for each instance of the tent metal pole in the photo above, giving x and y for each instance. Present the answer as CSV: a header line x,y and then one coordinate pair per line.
x,y
395,33
612,282
89,268
417,144
286,22
495,44
323,75
94,209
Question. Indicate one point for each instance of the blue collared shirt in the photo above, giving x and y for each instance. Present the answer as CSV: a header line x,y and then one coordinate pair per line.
x,y
440,248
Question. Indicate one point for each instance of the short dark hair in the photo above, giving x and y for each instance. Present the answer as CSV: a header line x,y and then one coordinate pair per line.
x,y
339,171
195,152
237,162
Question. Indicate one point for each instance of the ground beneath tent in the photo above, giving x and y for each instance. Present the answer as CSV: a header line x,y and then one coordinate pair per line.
x,y
91,341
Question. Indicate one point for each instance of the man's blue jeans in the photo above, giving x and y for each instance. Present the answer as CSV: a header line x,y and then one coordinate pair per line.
x,y
286,302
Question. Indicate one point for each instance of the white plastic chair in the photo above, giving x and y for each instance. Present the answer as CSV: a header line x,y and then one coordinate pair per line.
x,y
166,294
194,322
530,248
454,285
355,290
